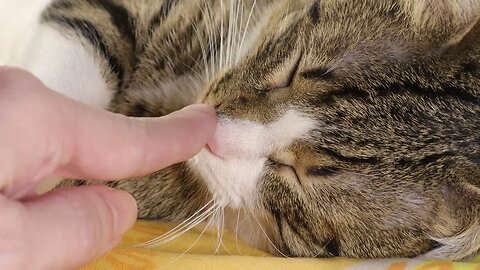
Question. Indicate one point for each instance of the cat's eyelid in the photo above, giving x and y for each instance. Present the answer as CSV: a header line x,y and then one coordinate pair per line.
x,y
291,168
323,171
283,77
317,74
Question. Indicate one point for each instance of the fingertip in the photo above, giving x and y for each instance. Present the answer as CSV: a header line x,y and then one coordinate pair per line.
x,y
179,136
7,69
15,75
79,223
201,108
204,114
14,80
123,208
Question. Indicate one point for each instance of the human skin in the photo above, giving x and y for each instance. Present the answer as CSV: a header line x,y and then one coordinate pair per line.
x,y
44,134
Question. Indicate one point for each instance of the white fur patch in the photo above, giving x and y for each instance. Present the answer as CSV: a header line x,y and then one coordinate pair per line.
x,y
66,66
18,23
243,139
232,176
257,27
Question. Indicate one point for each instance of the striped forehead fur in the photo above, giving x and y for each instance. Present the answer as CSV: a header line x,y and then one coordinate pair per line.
x,y
347,128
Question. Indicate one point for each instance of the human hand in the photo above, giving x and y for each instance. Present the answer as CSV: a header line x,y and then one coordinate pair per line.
x,y
45,134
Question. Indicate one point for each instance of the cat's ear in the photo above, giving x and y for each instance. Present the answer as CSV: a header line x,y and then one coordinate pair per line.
x,y
447,19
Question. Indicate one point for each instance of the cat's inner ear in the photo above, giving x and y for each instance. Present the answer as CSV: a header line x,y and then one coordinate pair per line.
x,y
449,20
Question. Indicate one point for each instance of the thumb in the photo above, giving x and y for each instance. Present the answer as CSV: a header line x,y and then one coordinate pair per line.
x,y
119,147
66,228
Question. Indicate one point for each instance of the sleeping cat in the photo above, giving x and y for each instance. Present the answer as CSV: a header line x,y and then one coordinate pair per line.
x,y
346,128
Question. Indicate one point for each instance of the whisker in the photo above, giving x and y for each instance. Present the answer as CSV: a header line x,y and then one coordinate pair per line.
x,y
200,76
159,242
246,29
239,30
265,233
236,33
221,65
212,32
202,47
197,239
174,233
320,252
186,228
222,227
226,249
217,246
229,34
236,232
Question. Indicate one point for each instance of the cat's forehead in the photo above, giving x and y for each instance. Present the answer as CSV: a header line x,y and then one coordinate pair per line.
x,y
333,30
346,38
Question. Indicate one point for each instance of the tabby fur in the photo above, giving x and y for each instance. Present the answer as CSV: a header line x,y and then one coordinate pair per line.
x,y
346,128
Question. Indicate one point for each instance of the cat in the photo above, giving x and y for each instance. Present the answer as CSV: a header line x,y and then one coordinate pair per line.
x,y
345,128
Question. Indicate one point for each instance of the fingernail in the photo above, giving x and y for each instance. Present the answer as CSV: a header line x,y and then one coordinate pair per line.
x,y
201,108
124,209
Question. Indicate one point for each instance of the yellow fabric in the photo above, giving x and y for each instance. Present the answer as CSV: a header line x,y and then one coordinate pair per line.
x,y
234,255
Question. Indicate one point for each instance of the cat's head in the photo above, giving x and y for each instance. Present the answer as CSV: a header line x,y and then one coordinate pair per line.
x,y
351,128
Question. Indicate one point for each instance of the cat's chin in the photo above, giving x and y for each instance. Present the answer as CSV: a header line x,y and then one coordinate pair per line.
x,y
231,181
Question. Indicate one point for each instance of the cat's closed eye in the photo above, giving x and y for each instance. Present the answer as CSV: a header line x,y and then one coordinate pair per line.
x,y
285,168
317,74
283,77
322,171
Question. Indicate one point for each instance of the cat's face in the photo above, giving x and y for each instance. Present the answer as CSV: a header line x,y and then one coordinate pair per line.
x,y
350,132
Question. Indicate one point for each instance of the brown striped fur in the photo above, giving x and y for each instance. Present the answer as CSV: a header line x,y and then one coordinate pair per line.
x,y
392,166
